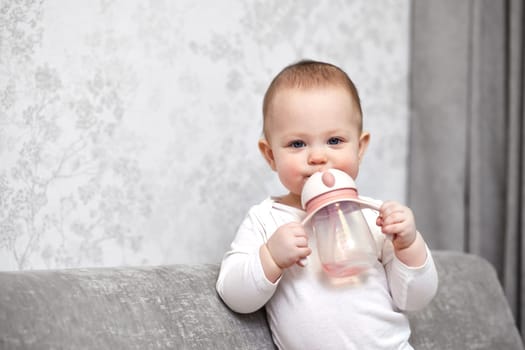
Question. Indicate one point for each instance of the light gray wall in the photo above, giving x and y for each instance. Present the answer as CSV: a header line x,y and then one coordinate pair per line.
x,y
128,129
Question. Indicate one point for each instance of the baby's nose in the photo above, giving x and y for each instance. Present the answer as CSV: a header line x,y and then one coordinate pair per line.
x,y
317,156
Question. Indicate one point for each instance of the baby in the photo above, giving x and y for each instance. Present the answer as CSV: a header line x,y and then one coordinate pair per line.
x,y
313,122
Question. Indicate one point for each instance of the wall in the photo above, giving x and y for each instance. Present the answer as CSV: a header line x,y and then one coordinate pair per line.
x,y
128,129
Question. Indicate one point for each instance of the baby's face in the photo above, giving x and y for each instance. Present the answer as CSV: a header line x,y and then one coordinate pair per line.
x,y
310,130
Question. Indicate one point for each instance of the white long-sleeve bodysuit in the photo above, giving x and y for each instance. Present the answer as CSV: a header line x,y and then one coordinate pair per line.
x,y
308,310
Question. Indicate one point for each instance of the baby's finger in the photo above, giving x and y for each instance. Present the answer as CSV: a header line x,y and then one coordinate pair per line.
x,y
304,253
300,234
301,241
394,218
393,229
302,262
388,205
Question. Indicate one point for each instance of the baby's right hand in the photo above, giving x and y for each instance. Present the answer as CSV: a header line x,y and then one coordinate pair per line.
x,y
288,245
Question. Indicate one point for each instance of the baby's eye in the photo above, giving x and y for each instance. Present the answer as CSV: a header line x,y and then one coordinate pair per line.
x,y
334,141
297,144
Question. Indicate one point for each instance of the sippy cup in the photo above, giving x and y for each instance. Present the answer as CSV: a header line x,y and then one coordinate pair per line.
x,y
345,244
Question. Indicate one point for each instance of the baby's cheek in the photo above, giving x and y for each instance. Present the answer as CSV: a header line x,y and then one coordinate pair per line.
x,y
292,183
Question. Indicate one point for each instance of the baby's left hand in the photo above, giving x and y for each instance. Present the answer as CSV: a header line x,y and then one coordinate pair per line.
x,y
398,221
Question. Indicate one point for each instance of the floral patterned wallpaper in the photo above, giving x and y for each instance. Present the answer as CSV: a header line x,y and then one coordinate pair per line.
x,y
129,128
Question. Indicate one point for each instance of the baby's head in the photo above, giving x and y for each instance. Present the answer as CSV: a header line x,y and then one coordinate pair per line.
x,y
312,122
307,74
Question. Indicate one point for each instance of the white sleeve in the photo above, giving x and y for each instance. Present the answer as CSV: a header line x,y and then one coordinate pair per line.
x,y
242,284
412,288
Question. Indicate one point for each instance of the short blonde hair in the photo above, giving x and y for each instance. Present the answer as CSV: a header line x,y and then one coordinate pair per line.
x,y
308,74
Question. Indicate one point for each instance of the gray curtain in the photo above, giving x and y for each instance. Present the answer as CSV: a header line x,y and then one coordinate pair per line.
x,y
466,178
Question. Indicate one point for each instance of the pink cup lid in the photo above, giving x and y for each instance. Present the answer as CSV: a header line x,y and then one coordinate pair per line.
x,y
328,187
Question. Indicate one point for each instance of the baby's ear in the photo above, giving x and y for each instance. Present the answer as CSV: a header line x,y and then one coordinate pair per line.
x,y
267,153
364,140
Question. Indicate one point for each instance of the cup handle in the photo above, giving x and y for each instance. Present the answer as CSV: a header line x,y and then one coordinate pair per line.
x,y
373,206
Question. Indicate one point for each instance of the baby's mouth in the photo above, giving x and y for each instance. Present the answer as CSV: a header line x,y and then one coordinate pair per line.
x,y
314,172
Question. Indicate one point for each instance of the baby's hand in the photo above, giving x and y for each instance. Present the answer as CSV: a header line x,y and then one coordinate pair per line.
x,y
398,221
288,245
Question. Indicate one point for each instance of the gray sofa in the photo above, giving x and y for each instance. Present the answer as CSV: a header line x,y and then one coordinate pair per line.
x,y
176,307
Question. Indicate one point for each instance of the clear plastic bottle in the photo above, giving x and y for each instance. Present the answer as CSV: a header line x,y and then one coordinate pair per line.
x,y
344,242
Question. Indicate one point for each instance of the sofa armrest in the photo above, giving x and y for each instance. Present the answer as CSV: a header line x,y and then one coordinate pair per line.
x,y
469,311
